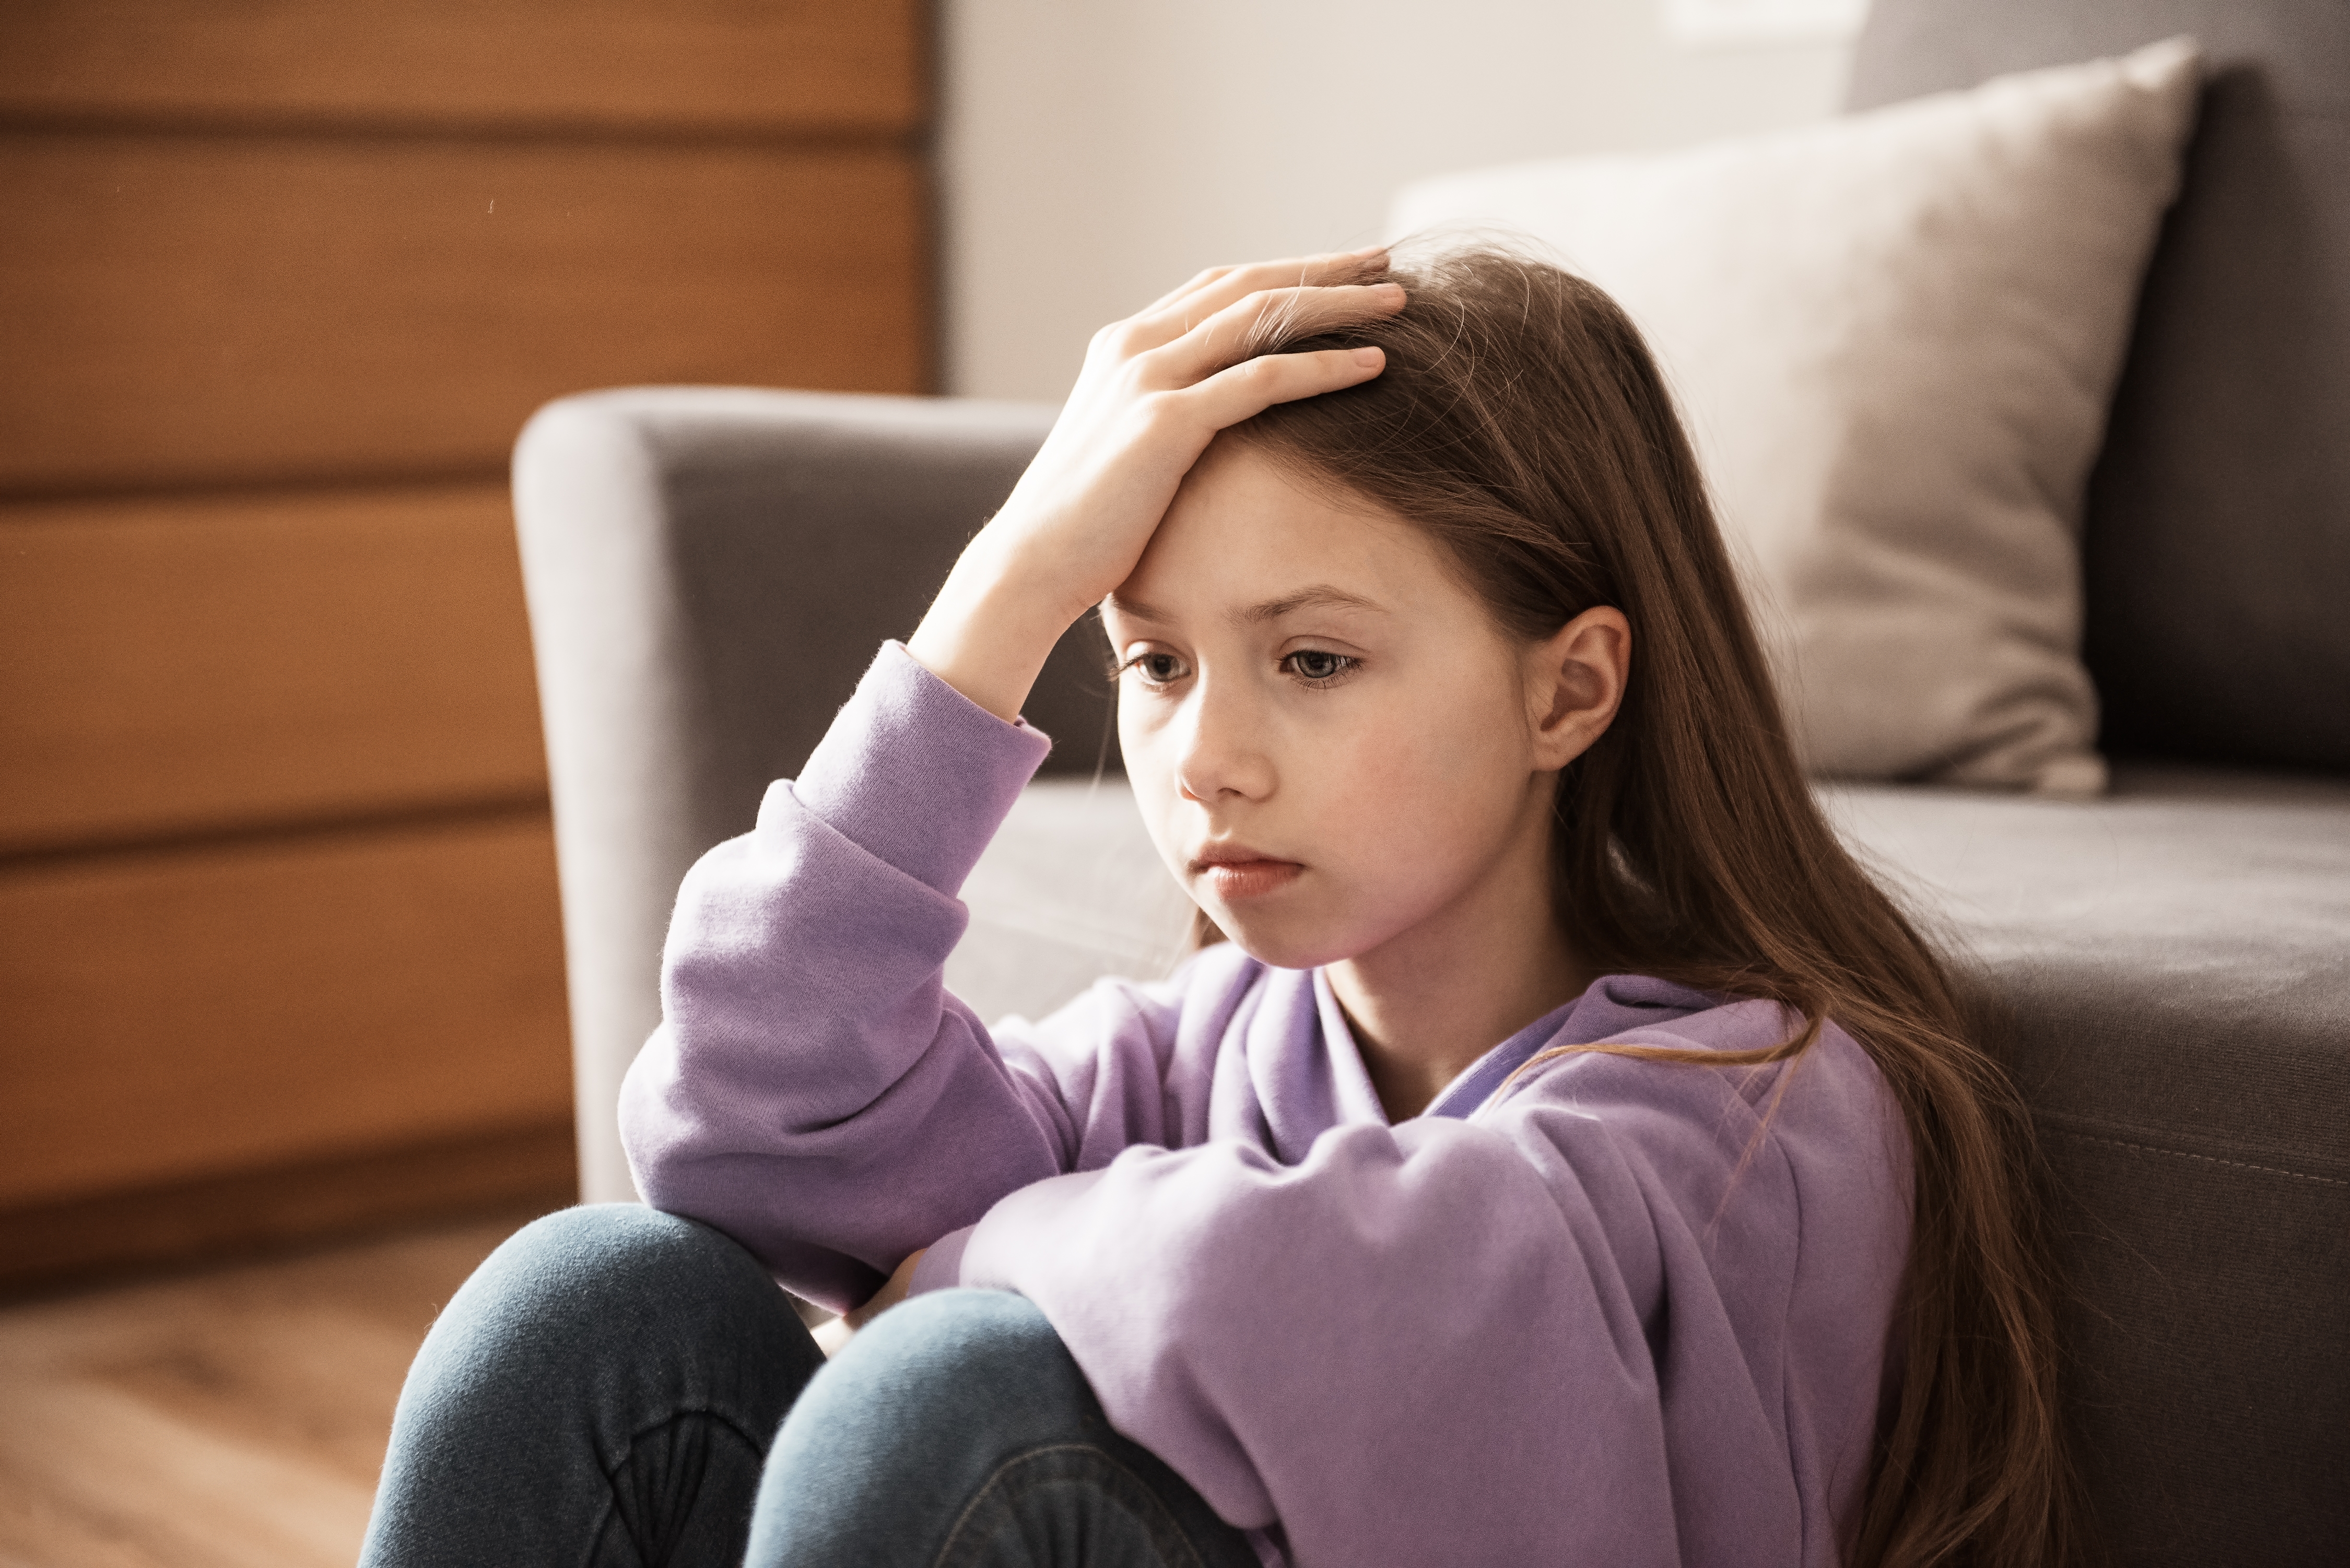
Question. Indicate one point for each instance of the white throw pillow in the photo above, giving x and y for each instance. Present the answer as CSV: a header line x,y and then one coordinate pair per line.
x,y
1893,336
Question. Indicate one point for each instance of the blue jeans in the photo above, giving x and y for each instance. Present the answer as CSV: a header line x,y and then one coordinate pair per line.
x,y
620,1387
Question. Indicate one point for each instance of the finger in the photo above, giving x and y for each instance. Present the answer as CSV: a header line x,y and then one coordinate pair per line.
x,y
1196,282
1248,389
1219,287
1239,330
1331,266
1176,312
1164,318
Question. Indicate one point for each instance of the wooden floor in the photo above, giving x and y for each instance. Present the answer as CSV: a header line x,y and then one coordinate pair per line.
x,y
234,1418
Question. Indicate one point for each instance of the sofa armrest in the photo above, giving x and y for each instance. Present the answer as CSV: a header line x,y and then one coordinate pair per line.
x,y
708,571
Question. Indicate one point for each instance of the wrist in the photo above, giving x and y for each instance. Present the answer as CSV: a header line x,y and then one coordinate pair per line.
x,y
988,633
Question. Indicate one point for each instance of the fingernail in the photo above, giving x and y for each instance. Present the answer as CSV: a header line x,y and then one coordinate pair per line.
x,y
1366,357
1390,291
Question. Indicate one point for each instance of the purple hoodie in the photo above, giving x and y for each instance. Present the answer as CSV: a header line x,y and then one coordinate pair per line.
x,y
1606,1313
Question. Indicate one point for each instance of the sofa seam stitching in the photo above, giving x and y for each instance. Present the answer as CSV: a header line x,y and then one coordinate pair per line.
x,y
2206,1158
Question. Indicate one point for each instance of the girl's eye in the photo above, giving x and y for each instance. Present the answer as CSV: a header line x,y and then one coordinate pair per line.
x,y
1315,664
1157,668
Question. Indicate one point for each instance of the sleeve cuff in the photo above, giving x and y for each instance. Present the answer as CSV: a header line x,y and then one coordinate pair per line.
x,y
916,774
941,1265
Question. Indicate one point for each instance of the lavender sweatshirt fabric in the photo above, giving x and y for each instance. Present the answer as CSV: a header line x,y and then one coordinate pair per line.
x,y
1594,1315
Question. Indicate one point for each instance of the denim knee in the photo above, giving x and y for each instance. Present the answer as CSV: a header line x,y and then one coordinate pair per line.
x,y
985,1350
599,1313
923,1406
952,1409
604,1388
609,1271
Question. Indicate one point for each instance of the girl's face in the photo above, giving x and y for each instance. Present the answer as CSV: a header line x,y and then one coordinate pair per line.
x,y
1331,740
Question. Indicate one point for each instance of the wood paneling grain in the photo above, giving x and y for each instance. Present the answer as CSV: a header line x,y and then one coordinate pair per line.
x,y
192,665
47,1246
174,1016
219,309
780,65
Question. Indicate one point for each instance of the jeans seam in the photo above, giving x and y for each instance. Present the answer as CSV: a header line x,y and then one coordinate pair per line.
x,y
676,1414
611,1471
1173,1528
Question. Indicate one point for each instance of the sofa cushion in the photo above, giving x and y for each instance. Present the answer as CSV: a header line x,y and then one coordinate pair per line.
x,y
1893,336
2173,965
2215,553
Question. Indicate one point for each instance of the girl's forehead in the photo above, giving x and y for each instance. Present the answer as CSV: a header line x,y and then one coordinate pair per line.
x,y
1245,537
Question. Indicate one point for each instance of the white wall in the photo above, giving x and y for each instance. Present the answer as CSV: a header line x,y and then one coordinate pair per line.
x,y
1095,152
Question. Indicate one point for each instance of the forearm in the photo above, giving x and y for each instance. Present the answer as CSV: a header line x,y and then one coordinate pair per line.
x,y
992,626
813,1089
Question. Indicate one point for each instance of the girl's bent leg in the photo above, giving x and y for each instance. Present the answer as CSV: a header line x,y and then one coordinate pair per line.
x,y
956,1432
602,1391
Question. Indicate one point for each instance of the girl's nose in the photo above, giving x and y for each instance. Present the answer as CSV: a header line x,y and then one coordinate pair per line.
x,y
1223,753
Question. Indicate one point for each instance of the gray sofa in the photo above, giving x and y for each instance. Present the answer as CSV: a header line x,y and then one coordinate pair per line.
x,y
709,569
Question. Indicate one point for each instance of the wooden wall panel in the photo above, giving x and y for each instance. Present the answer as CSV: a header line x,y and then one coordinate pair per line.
x,y
180,1015
775,66
78,1241
192,665
223,308
281,280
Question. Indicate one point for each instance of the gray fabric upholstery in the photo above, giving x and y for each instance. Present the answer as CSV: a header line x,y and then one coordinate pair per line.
x,y
2217,534
1070,890
2172,962
2173,965
708,572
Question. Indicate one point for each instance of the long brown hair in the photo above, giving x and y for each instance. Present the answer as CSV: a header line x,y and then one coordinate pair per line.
x,y
1521,421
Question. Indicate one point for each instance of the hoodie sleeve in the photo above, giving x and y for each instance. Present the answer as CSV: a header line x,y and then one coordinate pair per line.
x,y
813,1089
1513,1332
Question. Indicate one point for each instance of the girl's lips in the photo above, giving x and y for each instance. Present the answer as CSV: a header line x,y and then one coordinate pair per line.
x,y
1231,879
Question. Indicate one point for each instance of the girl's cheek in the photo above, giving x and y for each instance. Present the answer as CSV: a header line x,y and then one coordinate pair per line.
x,y
1372,810
1438,787
1398,763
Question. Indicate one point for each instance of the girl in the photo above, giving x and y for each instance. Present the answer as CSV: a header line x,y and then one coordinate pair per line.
x,y
1559,1151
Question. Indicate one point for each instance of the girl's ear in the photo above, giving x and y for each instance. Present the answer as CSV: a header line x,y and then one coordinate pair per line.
x,y
1575,684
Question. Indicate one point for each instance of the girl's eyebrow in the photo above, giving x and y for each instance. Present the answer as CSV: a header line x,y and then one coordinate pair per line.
x,y
1321,596
1135,609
